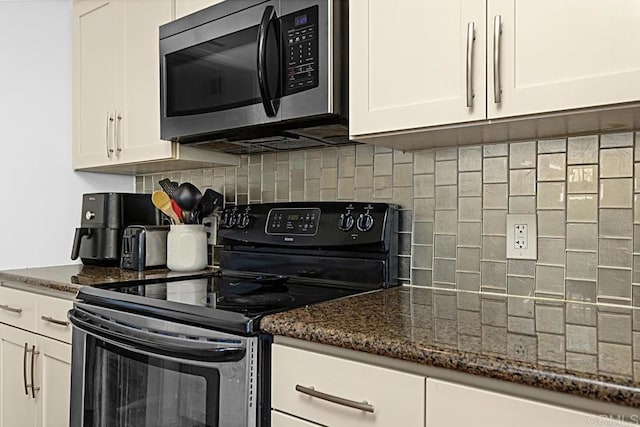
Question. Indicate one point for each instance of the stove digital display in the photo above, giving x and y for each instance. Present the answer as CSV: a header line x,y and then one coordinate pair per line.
x,y
300,222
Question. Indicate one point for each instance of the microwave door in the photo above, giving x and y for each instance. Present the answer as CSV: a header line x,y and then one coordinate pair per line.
x,y
222,74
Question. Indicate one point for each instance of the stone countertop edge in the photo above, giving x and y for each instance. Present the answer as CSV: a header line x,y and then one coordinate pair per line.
x,y
31,281
607,389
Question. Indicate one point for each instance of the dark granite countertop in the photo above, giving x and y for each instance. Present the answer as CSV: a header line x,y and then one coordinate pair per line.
x,y
582,349
70,278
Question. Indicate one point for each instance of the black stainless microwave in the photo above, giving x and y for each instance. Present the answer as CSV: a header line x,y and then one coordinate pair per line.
x,y
256,75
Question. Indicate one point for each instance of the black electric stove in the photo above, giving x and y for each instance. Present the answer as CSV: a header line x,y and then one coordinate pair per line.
x,y
276,257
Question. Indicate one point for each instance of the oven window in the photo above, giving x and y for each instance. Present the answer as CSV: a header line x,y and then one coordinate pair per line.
x,y
219,74
125,389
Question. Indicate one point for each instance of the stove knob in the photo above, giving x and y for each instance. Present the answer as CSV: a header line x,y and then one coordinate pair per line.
x,y
244,221
346,222
229,220
365,222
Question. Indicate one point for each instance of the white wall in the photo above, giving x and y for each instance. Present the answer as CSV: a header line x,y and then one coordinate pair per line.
x,y
40,194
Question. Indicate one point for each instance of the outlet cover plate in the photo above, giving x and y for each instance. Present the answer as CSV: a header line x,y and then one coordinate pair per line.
x,y
519,245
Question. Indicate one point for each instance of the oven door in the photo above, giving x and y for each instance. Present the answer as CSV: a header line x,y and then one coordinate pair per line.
x,y
130,370
221,74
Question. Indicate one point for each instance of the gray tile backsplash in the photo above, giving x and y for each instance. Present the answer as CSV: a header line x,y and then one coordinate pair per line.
x,y
454,201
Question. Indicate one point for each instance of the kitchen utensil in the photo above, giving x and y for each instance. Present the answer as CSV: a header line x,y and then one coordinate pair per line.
x,y
162,201
187,196
208,203
169,187
176,208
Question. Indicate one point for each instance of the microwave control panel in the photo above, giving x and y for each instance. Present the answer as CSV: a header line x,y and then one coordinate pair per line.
x,y
300,33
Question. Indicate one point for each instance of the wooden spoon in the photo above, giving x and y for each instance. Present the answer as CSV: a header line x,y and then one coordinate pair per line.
x,y
162,201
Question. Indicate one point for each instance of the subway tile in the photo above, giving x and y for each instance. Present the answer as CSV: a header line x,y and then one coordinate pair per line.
x,y
524,288
405,220
551,223
609,140
403,175
424,161
294,196
424,209
582,179
552,167
446,222
551,195
582,265
581,290
636,175
446,153
615,359
616,162
551,347
579,362
470,158
521,325
615,223
469,323
312,189
366,195
468,281
467,300
582,339
636,346
551,251
423,186
364,177
636,208
582,236
614,283
522,182
444,270
522,155
494,170
494,274
494,340
383,164
615,252
550,279
614,328
495,196
313,168
364,155
549,319
343,150
470,184
404,243
616,193
494,222
522,205
422,257
470,208
581,314
469,234
582,208
583,150
446,172
495,150
445,246
403,196
423,233
447,197
468,259
494,312
494,248
382,186
552,146
345,188
421,277
521,267
404,267
635,274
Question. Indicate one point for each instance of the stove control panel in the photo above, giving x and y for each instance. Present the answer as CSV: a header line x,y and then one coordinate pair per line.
x,y
296,221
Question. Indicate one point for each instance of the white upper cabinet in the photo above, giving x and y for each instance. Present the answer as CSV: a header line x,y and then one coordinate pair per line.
x,y
560,55
413,63
185,7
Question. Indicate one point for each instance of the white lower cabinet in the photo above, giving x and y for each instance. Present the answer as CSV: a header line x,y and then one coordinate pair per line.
x,y
298,374
278,419
35,370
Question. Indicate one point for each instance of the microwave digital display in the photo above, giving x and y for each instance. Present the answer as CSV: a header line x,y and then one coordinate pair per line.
x,y
300,20
300,30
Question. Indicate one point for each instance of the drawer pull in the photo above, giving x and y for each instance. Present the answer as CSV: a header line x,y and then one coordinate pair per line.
x,y
311,391
11,309
57,322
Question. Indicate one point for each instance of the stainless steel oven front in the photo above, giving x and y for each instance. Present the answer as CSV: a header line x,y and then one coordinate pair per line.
x,y
133,370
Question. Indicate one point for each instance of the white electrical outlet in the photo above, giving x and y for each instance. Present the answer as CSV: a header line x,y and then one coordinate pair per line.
x,y
522,234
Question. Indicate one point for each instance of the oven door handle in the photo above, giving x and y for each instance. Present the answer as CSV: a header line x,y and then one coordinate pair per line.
x,y
154,342
269,100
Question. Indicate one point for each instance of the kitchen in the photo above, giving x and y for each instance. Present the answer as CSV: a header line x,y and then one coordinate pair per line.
x,y
574,171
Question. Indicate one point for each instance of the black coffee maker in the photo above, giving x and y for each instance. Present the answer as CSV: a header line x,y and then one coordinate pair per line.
x,y
104,218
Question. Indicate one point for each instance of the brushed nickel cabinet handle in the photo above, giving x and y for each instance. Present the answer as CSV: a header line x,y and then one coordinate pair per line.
x,y
471,36
34,353
117,133
24,369
107,138
311,391
497,32
55,321
11,309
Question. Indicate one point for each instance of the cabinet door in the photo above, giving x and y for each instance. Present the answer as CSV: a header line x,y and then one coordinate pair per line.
x,y
96,46
488,409
185,7
17,409
53,376
138,116
558,55
408,65
278,419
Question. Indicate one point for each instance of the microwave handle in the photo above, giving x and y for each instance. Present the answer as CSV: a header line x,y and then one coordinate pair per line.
x,y
270,104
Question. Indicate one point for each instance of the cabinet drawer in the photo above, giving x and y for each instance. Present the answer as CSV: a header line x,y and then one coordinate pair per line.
x,y
51,317
354,381
18,308
278,419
